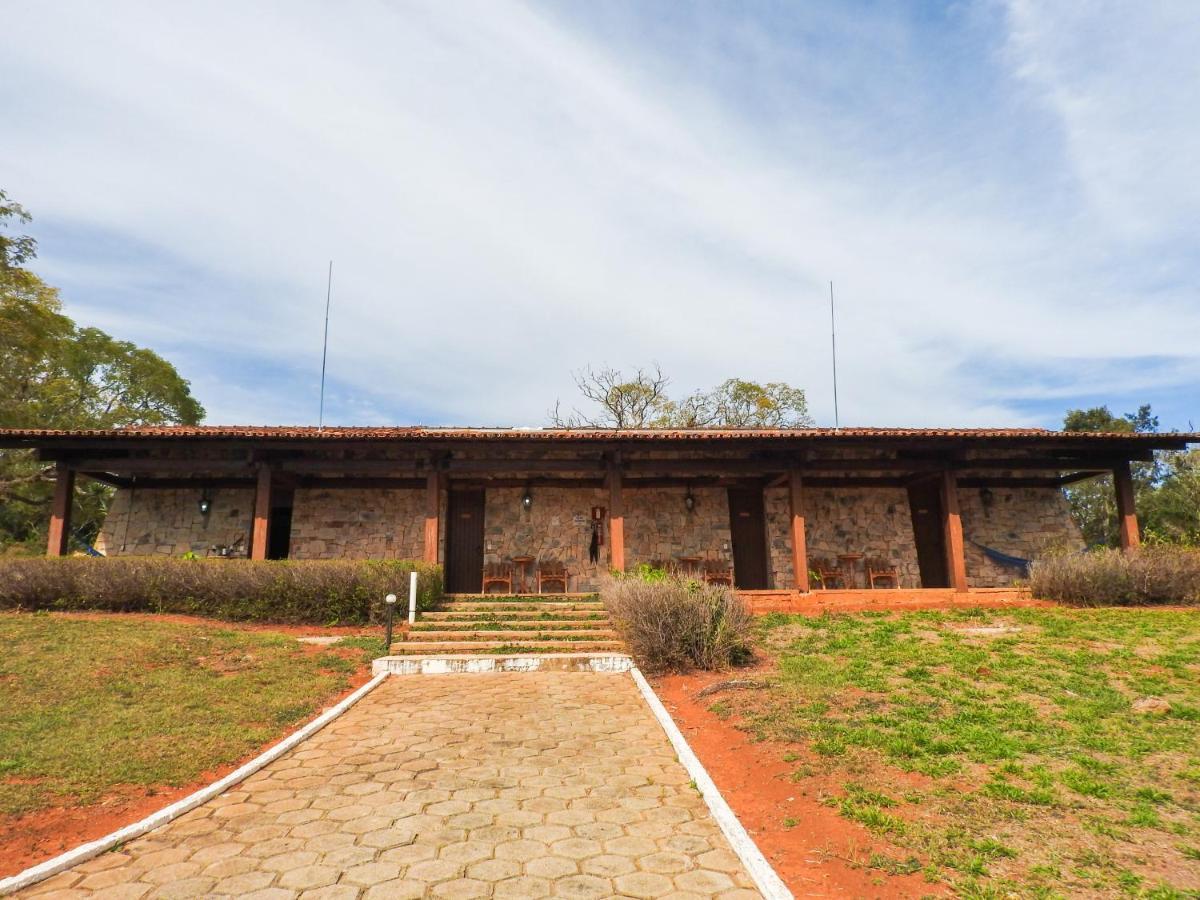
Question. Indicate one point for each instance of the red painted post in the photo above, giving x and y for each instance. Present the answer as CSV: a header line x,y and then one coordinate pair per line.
x,y
1127,523
956,563
616,517
433,505
262,514
60,512
799,541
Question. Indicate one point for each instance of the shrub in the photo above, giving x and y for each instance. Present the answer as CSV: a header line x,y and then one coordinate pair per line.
x,y
673,623
1148,575
313,592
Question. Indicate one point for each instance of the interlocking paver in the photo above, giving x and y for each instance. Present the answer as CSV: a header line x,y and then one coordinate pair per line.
x,y
522,785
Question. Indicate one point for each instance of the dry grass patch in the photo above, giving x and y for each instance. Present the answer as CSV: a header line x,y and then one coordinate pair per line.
x,y
98,704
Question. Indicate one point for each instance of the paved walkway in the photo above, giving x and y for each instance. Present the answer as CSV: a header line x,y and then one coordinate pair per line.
x,y
515,785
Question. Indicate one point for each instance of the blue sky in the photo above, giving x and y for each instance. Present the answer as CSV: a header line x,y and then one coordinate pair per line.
x,y
1004,194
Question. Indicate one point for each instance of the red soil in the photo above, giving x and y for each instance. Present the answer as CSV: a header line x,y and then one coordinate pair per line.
x,y
815,857
36,837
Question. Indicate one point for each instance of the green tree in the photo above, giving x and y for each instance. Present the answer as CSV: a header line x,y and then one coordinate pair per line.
x,y
640,400
55,374
1166,490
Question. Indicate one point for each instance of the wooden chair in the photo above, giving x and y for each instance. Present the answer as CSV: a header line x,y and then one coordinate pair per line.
x,y
500,573
828,572
881,570
716,571
552,572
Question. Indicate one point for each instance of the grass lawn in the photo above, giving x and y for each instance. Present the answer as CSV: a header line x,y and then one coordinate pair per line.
x,y
999,750
95,705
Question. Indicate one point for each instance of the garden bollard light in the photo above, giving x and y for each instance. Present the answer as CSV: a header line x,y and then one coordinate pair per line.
x,y
390,602
412,598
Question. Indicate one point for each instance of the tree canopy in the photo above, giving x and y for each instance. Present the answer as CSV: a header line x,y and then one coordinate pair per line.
x,y
1166,490
640,400
57,374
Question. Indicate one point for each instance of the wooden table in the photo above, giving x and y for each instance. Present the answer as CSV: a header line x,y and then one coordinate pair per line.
x,y
522,564
689,565
849,561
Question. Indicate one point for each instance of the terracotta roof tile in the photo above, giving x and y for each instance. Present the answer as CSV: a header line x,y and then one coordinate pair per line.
x,y
421,432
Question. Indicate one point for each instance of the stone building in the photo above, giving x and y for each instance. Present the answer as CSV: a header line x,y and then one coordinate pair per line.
x,y
957,508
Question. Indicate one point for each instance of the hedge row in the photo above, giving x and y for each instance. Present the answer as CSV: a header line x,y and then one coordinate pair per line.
x,y
325,592
1150,575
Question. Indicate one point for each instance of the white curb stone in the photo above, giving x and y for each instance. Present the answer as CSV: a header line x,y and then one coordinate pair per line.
x,y
769,883
86,851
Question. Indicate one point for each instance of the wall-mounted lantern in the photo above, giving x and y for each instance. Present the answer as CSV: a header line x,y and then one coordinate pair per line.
x,y
527,500
205,503
689,500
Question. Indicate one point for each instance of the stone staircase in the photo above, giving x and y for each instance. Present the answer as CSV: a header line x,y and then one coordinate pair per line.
x,y
512,625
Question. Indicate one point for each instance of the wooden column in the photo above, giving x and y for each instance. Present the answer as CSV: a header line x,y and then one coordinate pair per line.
x,y
1127,523
956,563
262,514
433,506
616,517
60,512
799,541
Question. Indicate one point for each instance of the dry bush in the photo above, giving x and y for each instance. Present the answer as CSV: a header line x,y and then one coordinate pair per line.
x,y
288,591
675,624
1149,575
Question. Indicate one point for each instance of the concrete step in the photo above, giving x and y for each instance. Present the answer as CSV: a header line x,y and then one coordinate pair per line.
x,y
521,606
410,648
483,663
492,621
425,626
521,597
524,634
453,614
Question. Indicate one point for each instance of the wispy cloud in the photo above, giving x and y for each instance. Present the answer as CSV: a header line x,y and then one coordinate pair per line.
x,y
511,191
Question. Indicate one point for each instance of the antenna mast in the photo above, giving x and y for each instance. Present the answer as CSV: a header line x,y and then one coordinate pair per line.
x,y
833,340
325,346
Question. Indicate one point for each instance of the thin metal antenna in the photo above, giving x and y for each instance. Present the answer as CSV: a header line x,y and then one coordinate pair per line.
x,y
325,346
833,340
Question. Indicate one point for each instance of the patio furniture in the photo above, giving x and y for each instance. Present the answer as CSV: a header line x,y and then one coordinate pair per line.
x,y
689,565
552,572
500,573
849,561
828,572
522,573
881,570
716,571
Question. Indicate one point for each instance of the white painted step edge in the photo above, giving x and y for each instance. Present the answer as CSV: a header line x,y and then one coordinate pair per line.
x,y
768,881
64,861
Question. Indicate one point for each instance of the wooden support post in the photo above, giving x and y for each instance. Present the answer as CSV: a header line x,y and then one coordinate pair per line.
x,y
60,512
262,514
433,506
616,517
956,562
799,541
1127,523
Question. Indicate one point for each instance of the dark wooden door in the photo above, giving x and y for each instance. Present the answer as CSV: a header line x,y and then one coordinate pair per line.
x,y
464,542
748,534
925,503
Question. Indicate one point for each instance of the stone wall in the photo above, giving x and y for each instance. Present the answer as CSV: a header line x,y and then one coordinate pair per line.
x,y
1024,522
358,523
870,521
658,526
389,524
557,526
167,522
